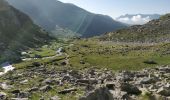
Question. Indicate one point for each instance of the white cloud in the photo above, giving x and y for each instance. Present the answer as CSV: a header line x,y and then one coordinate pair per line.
x,y
137,19
124,19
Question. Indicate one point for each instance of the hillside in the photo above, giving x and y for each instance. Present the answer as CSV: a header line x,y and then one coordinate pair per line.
x,y
157,30
17,32
49,14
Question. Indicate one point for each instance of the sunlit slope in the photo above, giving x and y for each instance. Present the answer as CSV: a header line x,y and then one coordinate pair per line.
x,y
154,31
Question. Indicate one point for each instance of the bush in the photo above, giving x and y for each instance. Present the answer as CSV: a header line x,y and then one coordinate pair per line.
x,y
150,62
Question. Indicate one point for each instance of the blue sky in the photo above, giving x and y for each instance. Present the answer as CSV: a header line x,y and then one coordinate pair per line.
x,y
115,8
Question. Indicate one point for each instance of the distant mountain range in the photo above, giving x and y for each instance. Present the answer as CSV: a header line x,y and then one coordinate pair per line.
x,y
17,32
135,19
157,30
51,13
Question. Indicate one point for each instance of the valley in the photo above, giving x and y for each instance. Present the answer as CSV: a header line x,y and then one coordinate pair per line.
x,y
59,51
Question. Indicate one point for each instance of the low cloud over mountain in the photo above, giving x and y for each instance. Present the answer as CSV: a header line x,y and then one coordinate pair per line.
x,y
137,18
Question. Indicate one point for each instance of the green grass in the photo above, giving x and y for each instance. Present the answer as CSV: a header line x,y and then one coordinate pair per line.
x,y
118,56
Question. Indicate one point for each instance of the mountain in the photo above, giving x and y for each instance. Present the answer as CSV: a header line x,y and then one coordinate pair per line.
x,y
51,13
157,30
134,19
17,32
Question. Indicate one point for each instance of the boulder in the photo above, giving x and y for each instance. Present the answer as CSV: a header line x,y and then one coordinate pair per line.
x,y
148,80
45,88
101,93
65,91
55,98
110,85
33,89
19,99
87,81
3,96
49,81
164,91
130,89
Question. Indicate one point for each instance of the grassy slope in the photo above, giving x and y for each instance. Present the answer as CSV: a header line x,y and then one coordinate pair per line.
x,y
118,56
154,31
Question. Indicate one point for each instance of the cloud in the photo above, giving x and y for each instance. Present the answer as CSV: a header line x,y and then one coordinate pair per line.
x,y
137,19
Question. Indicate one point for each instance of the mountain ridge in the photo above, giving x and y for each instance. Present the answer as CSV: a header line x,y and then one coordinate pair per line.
x,y
49,14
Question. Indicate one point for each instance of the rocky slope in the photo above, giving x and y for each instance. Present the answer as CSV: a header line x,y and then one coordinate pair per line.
x,y
37,81
17,31
49,14
154,31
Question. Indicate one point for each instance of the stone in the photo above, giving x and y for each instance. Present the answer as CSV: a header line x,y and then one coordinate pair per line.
x,y
130,89
3,96
82,62
49,81
119,95
63,63
164,91
55,98
110,85
148,80
33,89
65,91
101,93
164,69
36,64
45,88
87,81
15,91
19,99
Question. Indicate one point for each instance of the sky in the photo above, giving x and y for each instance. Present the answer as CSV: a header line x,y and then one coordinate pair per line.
x,y
115,8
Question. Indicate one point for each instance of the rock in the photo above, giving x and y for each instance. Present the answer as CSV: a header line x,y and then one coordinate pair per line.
x,y
130,89
49,81
101,93
4,86
110,86
66,78
3,96
55,98
87,81
23,95
82,62
45,88
36,64
19,99
65,91
119,95
33,89
15,91
164,91
148,80
164,69
63,63
24,81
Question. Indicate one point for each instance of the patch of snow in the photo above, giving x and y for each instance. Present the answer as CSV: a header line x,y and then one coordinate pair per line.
x,y
7,67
